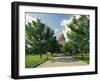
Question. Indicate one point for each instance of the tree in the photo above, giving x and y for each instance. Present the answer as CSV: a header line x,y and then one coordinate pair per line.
x,y
39,38
53,46
79,34
68,48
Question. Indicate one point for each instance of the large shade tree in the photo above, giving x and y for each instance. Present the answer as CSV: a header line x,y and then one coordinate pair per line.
x,y
79,34
39,38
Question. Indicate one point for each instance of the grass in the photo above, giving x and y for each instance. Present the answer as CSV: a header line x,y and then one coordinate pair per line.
x,y
33,60
85,57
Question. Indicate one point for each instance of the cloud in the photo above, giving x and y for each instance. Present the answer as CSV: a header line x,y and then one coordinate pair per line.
x,y
63,22
66,29
56,30
29,18
77,16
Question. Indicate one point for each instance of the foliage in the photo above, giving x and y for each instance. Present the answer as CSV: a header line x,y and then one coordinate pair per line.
x,y
67,47
39,38
79,34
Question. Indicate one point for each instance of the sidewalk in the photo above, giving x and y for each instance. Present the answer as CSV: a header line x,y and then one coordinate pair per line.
x,y
62,61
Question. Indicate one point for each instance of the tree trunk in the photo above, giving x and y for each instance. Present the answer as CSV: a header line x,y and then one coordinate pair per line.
x,y
41,56
47,56
82,55
51,54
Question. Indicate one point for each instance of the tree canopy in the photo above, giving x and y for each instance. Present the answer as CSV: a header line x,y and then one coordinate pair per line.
x,y
79,33
39,38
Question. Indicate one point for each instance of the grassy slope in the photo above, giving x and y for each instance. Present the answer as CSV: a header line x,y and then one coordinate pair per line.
x,y
33,60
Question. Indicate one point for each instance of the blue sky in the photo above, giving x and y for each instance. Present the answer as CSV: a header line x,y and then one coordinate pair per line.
x,y
55,21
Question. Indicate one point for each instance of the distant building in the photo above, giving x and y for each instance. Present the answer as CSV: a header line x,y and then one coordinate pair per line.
x,y
61,39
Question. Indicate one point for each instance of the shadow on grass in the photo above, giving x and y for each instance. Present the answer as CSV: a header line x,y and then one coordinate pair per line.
x,y
84,58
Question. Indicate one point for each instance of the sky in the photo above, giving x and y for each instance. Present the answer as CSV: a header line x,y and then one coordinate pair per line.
x,y
57,22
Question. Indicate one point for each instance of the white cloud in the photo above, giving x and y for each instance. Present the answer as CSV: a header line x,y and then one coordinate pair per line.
x,y
77,16
70,20
56,30
29,18
63,22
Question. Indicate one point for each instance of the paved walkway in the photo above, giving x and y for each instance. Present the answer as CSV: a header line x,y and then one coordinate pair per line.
x,y
62,61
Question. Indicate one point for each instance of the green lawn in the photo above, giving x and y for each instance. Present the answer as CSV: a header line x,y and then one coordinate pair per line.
x,y
33,60
85,57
